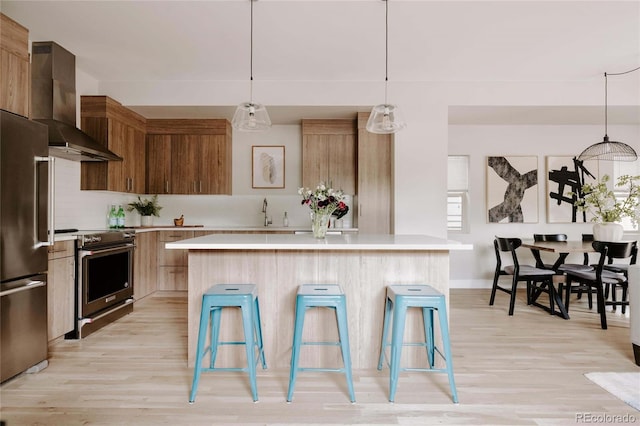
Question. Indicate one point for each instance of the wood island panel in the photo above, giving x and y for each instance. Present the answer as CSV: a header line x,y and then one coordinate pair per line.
x,y
363,275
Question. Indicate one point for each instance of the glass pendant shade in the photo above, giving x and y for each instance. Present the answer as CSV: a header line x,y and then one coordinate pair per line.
x,y
385,119
609,150
251,117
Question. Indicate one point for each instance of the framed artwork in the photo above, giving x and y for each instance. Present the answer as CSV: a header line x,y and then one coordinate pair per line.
x,y
565,176
512,189
267,166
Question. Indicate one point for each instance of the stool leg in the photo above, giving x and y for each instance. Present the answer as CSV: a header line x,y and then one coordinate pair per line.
x,y
427,319
202,338
385,331
249,343
343,331
444,330
397,334
295,348
258,327
215,335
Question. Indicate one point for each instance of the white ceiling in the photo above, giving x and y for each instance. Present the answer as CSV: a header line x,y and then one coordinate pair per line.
x,y
322,40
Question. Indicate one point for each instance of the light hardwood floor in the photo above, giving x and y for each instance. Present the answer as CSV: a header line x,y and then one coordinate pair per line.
x,y
527,369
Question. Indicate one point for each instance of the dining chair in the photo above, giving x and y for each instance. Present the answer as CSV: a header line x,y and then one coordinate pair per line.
x,y
520,273
586,265
599,277
620,268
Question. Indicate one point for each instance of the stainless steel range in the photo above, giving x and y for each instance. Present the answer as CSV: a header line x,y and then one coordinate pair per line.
x,y
104,279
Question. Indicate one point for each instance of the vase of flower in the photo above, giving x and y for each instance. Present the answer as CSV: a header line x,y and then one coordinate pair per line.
x,y
324,202
607,231
609,204
319,224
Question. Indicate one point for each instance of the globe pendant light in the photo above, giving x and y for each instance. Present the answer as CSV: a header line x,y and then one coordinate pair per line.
x,y
607,149
251,116
385,118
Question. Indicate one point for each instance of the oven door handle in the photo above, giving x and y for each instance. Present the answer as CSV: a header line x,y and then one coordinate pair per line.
x,y
125,247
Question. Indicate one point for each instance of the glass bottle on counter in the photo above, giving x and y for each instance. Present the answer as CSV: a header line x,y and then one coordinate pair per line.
x,y
285,220
113,219
120,217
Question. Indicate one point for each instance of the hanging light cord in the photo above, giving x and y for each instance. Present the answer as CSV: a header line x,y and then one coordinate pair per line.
x,y
606,94
251,57
386,49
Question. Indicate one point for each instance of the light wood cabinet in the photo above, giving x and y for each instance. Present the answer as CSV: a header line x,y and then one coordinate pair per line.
x,y
145,264
172,264
186,156
329,154
123,132
375,180
14,66
61,289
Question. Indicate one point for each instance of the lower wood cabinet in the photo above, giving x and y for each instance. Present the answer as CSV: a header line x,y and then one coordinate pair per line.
x,y
172,264
61,289
145,265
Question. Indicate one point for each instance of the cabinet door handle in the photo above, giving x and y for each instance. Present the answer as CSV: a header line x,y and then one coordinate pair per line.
x,y
200,183
194,187
166,186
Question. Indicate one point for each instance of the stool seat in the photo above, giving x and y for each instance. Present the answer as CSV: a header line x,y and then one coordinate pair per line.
x,y
245,297
320,296
398,299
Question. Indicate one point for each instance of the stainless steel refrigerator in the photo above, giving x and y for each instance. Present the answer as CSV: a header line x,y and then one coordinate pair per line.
x,y
26,223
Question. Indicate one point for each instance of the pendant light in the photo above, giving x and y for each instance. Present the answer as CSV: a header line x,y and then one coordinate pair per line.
x,y
385,118
251,116
607,149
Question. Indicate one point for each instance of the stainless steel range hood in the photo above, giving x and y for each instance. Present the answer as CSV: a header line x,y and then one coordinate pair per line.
x,y
53,102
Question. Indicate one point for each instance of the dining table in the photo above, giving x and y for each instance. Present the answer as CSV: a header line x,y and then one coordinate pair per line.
x,y
562,249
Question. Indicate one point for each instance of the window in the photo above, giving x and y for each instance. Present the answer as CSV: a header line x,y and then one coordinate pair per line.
x,y
457,193
621,168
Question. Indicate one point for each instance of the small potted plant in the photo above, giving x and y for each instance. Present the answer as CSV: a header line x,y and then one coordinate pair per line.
x,y
147,208
607,209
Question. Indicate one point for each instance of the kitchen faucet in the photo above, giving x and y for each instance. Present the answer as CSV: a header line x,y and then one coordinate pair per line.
x,y
267,222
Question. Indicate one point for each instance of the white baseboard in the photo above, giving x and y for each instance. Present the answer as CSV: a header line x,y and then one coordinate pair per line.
x,y
470,283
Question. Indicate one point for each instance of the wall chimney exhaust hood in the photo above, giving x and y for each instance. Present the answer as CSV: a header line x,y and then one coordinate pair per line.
x,y
53,102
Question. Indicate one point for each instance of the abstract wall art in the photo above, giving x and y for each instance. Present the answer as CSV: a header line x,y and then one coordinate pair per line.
x,y
565,177
512,189
267,166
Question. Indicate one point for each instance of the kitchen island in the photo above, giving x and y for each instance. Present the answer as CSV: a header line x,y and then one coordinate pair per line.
x,y
362,264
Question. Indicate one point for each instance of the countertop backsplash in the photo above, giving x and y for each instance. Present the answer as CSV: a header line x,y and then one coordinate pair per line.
x,y
89,209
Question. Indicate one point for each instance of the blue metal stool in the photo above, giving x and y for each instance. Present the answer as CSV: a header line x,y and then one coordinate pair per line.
x,y
327,296
399,298
244,296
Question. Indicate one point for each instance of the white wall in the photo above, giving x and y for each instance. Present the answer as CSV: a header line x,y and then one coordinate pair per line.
x,y
88,209
475,268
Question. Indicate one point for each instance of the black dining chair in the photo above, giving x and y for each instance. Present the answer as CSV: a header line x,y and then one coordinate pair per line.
x,y
599,277
546,237
620,268
521,273
584,266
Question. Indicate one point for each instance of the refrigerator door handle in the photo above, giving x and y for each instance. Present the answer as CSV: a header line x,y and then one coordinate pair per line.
x,y
28,286
51,222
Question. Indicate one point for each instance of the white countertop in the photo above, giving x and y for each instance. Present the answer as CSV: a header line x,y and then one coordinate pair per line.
x,y
308,242
236,228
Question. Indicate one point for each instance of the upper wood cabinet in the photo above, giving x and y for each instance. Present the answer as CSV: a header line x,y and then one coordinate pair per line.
x,y
329,154
14,66
189,156
123,132
375,180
